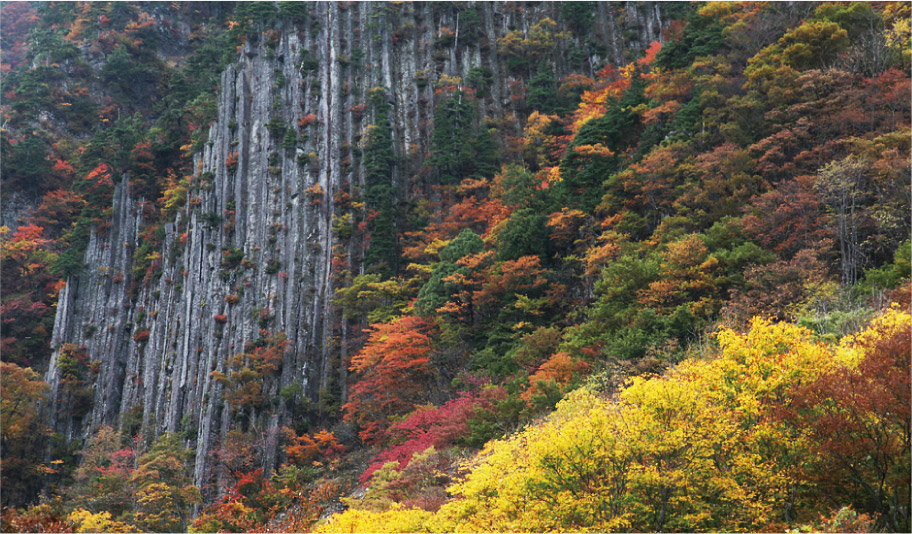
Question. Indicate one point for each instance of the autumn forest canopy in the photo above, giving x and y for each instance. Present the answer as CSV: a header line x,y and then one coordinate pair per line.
x,y
455,267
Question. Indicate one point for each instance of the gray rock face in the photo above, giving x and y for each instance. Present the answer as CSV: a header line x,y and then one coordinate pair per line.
x,y
15,209
156,344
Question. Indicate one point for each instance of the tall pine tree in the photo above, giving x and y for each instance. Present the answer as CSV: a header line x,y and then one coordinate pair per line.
x,y
379,194
458,149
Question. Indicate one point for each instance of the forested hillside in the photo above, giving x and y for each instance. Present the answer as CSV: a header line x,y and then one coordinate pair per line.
x,y
456,266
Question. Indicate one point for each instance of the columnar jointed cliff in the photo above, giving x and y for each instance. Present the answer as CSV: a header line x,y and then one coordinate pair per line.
x,y
248,259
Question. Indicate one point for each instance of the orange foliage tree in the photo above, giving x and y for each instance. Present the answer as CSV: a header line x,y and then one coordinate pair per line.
x,y
393,369
305,449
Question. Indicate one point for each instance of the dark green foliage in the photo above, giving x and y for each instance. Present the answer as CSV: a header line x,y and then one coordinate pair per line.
x,y
890,274
291,140
74,375
257,14
542,93
54,13
69,263
619,284
231,257
653,135
518,188
25,164
493,359
458,149
486,161
190,96
524,234
735,252
97,190
578,16
113,145
651,331
52,45
380,194
290,392
517,64
120,13
305,159
465,243
702,36
436,291
188,429
276,127
308,62
688,120
33,89
132,76
583,177
615,320
210,219
470,26
623,321
480,79
294,11
452,122
577,57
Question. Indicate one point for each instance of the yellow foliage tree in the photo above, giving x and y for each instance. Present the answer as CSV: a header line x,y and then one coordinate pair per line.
x,y
164,489
699,449
86,521
397,519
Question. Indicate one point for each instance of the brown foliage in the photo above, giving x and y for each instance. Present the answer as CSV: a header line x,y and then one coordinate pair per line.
x,y
788,219
772,288
858,422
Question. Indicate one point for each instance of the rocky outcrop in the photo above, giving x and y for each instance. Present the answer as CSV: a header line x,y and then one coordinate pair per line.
x,y
251,253
15,209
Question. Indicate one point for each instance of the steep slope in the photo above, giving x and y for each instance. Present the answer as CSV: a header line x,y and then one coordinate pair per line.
x,y
245,267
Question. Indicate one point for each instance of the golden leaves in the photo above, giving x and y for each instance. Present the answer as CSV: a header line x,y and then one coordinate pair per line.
x,y
697,449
